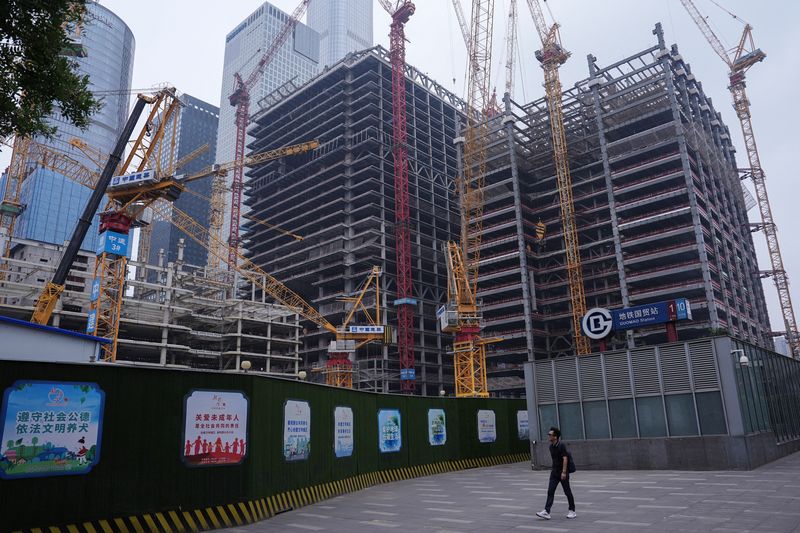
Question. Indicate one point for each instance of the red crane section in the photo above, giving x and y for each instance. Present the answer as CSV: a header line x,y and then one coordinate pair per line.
x,y
240,99
401,11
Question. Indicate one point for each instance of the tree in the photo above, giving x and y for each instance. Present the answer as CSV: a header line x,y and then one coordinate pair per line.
x,y
38,76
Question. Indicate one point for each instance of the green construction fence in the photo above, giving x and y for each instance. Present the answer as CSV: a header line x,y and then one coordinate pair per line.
x,y
141,469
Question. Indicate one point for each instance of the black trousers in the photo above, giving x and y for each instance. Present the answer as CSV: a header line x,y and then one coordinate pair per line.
x,y
555,479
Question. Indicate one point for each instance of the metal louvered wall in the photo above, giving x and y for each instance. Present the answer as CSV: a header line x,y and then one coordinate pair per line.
x,y
633,393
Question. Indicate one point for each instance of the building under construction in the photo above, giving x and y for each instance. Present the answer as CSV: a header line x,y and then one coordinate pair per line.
x,y
661,214
175,314
661,210
340,199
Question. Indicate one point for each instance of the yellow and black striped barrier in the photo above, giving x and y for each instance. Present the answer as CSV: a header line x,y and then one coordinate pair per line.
x,y
247,512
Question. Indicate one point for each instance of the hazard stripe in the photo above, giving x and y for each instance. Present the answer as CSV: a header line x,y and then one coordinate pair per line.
x,y
163,523
201,520
213,518
137,527
234,514
150,523
224,516
187,518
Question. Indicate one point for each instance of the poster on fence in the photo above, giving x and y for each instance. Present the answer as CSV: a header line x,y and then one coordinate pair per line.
x,y
296,430
523,431
389,430
437,427
343,432
215,428
50,428
487,429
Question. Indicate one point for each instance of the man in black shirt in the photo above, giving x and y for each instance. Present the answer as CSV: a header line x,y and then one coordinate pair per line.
x,y
559,474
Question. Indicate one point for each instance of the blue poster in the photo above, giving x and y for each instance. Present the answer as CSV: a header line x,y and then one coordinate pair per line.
x,y
389,430
50,429
437,427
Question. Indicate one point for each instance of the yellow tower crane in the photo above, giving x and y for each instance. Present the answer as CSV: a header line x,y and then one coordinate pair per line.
x,y
739,61
552,56
461,315
128,199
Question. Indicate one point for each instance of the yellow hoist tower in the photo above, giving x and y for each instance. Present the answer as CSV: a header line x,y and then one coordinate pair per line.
x,y
739,61
552,56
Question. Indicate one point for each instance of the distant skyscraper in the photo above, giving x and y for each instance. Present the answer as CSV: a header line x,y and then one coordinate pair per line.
x,y
296,61
52,201
343,25
197,126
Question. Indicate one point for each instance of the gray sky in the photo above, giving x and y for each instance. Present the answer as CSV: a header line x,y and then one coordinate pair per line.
x,y
183,42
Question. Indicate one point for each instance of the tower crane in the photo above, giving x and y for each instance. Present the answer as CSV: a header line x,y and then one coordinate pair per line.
x,y
129,195
52,291
552,56
401,11
10,203
339,371
240,99
461,315
739,61
511,43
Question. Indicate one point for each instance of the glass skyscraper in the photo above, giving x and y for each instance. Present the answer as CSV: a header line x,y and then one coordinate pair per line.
x,y
52,201
297,61
197,125
344,26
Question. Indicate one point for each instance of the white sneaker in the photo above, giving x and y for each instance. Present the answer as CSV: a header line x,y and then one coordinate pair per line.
x,y
572,514
543,514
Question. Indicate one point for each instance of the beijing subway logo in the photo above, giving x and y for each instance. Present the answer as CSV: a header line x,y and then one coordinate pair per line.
x,y
597,323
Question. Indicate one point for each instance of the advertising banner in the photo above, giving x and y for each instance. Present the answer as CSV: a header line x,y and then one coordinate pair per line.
x,y
437,427
389,430
487,430
523,431
50,429
296,430
343,432
215,428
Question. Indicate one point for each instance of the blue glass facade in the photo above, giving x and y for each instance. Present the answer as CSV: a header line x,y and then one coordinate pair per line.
x,y
297,61
53,202
197,126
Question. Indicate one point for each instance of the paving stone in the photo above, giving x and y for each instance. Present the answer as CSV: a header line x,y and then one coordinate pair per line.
x,y
505,498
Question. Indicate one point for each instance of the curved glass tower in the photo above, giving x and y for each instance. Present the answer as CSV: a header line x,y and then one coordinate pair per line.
x,y
52,201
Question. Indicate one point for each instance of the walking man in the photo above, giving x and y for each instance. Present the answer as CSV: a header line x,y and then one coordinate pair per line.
x,y
559,474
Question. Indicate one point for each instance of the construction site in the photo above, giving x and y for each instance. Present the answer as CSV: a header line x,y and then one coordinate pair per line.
x,y
395,237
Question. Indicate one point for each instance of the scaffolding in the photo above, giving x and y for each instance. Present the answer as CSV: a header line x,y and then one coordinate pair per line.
x,y
173,314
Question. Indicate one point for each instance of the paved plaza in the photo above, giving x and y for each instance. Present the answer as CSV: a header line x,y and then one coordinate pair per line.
x,y
505,498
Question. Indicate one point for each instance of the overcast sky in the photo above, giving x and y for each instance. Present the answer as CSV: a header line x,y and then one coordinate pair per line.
x,y
183,42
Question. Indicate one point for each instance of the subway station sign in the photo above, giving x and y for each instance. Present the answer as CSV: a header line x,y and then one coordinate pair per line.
x,y
651,314
598,322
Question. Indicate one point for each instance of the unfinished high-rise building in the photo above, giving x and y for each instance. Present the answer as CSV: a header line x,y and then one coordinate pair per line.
x,y
340,199
661,214
173,314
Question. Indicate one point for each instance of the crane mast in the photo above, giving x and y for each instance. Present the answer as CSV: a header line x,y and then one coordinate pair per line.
x,y
511,46
401,11
744,56
552,56
461,315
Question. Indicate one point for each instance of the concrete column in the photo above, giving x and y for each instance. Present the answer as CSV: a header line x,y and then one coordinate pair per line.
x,y
666,66
594,84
